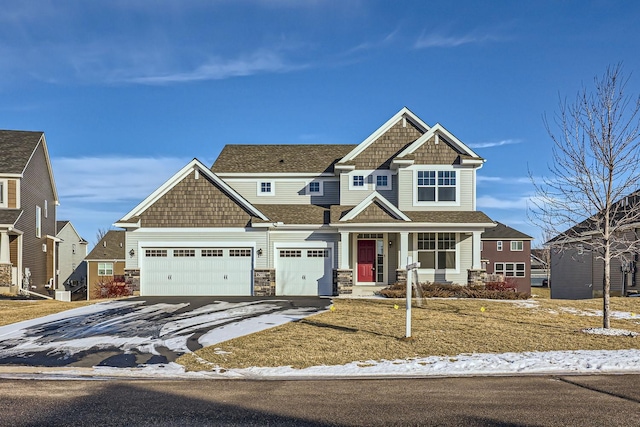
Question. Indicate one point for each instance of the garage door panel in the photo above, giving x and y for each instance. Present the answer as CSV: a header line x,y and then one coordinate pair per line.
x,y
197,271
305,271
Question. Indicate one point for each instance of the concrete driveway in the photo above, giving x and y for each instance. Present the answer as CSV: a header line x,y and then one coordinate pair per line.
x,y
144,331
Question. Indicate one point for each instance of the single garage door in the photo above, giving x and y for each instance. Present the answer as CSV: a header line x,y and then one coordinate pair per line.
x,y
196,271
304,272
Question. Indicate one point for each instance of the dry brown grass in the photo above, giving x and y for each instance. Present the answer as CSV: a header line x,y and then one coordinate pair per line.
x,y
361,330
12,311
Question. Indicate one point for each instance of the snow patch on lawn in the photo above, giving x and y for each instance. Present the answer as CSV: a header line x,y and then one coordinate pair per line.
x,y
610,332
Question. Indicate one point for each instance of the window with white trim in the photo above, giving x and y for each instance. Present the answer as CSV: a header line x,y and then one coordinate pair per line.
x,y
436,186
437,250
517,246
510,269
105,269
499,245
46,209
358,181
266,188
3,193
315,188
38,221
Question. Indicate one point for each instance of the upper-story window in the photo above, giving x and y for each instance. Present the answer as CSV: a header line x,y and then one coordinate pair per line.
x,y
358,181
383,182
436,186
517,245
315,188
38,222
46,209
266,188
499,245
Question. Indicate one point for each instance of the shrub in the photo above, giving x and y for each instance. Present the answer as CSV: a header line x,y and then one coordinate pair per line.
x,y
112,289
502,290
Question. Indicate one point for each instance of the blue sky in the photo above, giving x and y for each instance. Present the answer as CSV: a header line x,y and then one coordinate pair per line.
x,y
127,92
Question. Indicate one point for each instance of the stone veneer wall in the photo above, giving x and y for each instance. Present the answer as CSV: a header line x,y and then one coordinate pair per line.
x,y
476,277
342,282
264,282
132,278
5,274
401,276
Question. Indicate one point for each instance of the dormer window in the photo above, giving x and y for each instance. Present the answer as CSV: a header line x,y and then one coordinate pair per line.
x,y
266,188
358,180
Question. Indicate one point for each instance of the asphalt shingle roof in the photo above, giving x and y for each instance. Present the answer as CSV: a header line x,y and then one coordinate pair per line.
x,y
502,231
111,246
280,158
9,216
16,147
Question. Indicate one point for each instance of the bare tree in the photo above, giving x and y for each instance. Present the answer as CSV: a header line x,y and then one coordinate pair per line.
x,y
595,175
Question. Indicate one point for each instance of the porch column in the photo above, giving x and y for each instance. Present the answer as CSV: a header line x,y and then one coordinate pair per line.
x,y
477,258
344,252
4,248
404,249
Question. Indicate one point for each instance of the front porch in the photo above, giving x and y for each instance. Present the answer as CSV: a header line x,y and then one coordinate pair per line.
x,y
369,261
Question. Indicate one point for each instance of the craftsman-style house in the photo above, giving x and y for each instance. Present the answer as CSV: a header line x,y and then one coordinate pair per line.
x,y
28,200
313,219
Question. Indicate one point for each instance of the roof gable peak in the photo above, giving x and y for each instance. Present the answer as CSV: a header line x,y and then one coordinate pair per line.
x,y
372,198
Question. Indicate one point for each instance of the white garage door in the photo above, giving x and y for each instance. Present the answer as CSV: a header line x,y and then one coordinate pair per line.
x,y
304,272
196,271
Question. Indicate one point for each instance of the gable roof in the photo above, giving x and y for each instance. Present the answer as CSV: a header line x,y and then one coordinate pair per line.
x,y
437,218
63,223
504,232
16,149
436,131
298,158
403,114
192,166
380,205
9,217
110,247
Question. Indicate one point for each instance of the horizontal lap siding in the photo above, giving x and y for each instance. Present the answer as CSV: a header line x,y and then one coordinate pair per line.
x,y
353,197
571,274
287,192
183,238
35,188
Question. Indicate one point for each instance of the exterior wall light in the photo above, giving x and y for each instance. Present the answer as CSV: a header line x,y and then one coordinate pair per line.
x,y
132,253
260,252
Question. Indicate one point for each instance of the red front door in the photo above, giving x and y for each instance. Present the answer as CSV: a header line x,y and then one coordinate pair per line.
x,y
366,260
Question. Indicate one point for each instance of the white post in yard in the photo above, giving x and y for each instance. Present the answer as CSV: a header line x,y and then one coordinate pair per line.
x,y
408,332
410,267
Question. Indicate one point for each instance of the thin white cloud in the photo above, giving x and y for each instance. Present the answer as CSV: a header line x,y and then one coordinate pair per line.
x,y
435,39
495,143
506,180
491,202
263,61
111,179
482,178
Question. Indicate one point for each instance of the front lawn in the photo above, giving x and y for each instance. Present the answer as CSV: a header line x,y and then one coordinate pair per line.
x,y
17,310
361,330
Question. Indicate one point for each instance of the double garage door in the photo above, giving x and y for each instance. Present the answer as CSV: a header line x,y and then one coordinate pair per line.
x,y
197,271
304,271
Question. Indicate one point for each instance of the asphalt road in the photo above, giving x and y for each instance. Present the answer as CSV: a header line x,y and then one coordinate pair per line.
x,y
489,401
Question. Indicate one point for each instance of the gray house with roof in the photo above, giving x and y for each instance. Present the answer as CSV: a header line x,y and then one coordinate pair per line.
x,y
28,200
313,219
72,249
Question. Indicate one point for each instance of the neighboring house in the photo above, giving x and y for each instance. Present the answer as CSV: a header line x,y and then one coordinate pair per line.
x,y
313,219
106,261
28,200
578,273
540,267
507,252
72,250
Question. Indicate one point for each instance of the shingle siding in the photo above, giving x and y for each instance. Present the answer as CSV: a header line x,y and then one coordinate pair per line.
x,y
380,153
195,203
